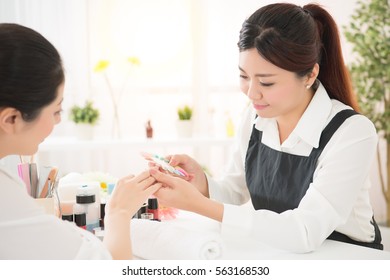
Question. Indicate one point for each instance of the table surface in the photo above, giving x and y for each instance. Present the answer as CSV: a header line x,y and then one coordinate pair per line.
x,y
248,249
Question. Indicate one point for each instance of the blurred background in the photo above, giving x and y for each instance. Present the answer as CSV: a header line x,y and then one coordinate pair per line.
x,y
151,57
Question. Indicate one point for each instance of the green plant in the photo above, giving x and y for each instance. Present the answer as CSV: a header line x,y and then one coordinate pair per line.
x,y
184,113
369,32
87,114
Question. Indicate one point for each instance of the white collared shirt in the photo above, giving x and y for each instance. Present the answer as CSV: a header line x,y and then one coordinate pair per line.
x,y
338,197
27,232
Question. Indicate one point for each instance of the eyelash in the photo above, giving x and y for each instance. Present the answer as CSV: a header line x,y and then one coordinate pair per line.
x,y
266,85
58,112
262,84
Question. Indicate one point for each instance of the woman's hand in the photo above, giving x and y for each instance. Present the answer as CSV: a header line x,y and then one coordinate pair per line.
x,y
131,192
196,176
179,193
128,196
176,192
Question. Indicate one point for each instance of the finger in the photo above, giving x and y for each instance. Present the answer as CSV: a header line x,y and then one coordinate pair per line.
x,y
163,178
160,194
142,176
146,155
174,160
147,182
152,189
177,159
126,178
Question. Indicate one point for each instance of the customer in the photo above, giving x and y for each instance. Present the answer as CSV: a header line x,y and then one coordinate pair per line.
x,y
31,93
303,154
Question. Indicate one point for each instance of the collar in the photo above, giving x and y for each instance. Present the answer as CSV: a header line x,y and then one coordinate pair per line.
x,y
315,117
310,125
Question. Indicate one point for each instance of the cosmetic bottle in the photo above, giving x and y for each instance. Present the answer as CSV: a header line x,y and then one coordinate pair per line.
x,y
86,201
102,214
153,208
80,220
141,211
67,217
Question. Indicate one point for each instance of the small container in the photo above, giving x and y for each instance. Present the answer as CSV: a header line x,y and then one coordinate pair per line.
x,y
140,211
147,216
67,217
102,214
153,208
81,220
86,202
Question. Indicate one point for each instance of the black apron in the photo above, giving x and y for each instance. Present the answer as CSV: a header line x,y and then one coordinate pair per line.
x,y
278,181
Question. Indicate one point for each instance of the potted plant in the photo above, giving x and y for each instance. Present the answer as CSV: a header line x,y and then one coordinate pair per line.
x,y
184,124
85,118
369,32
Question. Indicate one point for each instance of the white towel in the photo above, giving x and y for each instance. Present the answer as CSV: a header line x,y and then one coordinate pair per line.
x,y
168,240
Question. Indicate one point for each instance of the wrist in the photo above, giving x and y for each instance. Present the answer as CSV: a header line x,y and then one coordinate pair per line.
x,y
117,216
209,208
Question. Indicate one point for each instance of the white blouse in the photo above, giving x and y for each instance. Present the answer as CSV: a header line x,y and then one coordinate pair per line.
x,y
338,197
27,232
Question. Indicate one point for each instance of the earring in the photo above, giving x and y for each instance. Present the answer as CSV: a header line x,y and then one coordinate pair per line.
x,y
308,86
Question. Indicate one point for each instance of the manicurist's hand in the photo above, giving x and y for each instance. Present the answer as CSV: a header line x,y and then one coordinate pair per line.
x,y
179,193
176,192
197,177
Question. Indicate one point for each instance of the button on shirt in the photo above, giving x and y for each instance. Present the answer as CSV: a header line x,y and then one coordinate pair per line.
x,y
338,197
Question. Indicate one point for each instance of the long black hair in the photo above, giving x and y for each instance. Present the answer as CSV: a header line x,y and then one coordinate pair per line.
x,y
30,70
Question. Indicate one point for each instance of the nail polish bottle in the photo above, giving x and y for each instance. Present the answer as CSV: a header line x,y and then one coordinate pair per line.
x,y
153,208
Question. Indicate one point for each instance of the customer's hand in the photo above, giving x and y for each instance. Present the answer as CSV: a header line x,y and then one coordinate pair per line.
x,y
131,192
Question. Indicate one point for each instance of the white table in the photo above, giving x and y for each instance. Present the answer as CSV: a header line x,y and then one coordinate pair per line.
x,y
250,250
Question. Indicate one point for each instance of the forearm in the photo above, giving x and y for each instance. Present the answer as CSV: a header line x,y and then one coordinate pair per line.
x,y
117,235
209,208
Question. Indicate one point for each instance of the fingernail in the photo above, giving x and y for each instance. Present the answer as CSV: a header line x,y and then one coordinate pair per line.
x,y
153,171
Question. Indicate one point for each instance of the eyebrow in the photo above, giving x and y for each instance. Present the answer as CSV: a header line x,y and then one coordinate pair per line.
x,y
258,75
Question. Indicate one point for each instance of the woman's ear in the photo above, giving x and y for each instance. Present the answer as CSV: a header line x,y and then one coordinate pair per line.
x,y
312,76
9,118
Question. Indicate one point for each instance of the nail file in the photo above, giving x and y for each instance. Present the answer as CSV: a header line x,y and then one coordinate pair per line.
x,y
164,164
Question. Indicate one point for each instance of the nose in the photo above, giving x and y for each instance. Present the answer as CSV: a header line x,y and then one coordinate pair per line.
x,y
254,91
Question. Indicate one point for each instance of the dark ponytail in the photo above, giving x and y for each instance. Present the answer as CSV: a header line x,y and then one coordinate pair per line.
x,y
295,39
333,72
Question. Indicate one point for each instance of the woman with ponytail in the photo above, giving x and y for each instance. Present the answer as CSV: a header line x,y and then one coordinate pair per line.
x,y
304,152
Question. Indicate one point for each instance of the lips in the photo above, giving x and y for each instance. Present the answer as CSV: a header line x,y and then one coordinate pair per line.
x,y
260,106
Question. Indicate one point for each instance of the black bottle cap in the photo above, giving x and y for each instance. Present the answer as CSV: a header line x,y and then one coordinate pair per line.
x,y
80,219
102,210
152,203
68,217
85,198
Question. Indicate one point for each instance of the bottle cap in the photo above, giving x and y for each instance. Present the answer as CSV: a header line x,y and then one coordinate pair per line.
x,y
80,219
85,198
152,203
68,217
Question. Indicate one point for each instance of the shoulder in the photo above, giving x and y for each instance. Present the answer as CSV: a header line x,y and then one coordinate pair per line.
x,y
355,126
